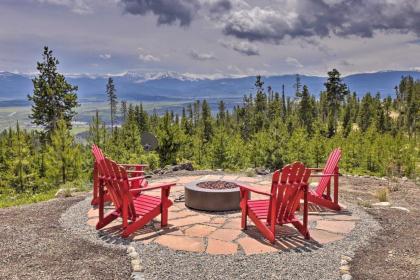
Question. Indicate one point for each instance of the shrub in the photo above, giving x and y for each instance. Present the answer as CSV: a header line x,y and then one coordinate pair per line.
x,y
382,195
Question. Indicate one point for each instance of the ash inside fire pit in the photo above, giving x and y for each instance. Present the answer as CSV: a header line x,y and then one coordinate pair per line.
x,y
217,185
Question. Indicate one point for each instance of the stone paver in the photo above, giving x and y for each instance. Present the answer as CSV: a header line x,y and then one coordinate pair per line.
x,y
93,213
219,247
252,246
225,234
248,179
336,226
230,177
199,231
192,220
190,230
324,237
233,223
183,243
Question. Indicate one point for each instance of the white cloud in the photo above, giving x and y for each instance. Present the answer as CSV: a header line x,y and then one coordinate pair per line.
x,y
147,57
77,6
293,62
242,47
201,56
105,56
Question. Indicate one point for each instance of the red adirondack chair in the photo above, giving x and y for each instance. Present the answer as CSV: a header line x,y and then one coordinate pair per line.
x,y
131,204
321,195
133,169
287,188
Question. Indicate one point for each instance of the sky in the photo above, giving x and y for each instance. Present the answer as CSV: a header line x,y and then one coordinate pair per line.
x,y
211,38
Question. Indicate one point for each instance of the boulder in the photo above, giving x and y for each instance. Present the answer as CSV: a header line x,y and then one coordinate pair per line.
x,y
262,171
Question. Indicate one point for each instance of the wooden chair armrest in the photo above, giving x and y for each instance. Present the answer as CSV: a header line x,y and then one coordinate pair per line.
x,y
136,178
132,165
316,168
242,187
323,175
156,187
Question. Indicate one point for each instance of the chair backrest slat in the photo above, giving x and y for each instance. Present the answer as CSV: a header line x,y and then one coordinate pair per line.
x,y
290,189
329,168
119,189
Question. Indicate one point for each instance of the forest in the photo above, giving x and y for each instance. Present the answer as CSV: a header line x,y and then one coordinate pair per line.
x,y
378,135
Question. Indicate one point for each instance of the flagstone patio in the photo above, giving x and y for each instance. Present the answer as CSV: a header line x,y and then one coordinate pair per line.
x,y
221,234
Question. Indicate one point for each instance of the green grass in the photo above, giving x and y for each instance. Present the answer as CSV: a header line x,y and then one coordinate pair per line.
x,y
7,200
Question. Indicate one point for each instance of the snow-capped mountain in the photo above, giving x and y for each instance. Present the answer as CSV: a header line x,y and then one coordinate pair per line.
x,y
161,86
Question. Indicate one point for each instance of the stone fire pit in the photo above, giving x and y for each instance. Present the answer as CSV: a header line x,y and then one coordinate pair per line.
x,y
212,195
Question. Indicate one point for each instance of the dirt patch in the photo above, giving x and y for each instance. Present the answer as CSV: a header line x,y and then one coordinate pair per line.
x,y
395,252
217,185
34,246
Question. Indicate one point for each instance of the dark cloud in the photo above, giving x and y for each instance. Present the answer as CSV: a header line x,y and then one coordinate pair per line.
x,y
244,48
173,11
321,18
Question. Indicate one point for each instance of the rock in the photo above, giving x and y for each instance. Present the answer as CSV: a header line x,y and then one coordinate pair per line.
x,y
344,269
346,277
262,171
401,208
133,255
63,193
172,168
138,268
346,258
135,262
384,179
344,262
130,249
404,178
381,204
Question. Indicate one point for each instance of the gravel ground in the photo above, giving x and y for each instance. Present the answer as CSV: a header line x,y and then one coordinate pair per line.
x,y
162,263
395,252
34,246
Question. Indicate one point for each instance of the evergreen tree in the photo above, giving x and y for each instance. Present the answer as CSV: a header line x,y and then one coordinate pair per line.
x,y
112,99
63,155
298,86
97,131
336,90
53,97
124,110
19,163
169,136
305,110
206,122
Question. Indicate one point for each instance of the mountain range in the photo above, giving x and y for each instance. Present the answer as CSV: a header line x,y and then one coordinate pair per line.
x,y
172,86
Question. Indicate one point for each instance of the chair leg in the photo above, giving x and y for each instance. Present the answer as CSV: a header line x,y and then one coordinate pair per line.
x,y
107,219
244,215
302,229
262,227
132,227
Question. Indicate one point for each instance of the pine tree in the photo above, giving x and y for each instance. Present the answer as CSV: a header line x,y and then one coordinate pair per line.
x,y
336,90
53,97
97,131
63,155
124,110
206,121
298,86
170,140
21,173
112,99
305,110
260,105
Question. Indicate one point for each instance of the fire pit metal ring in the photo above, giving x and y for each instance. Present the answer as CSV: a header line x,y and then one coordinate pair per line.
x,y
212,199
